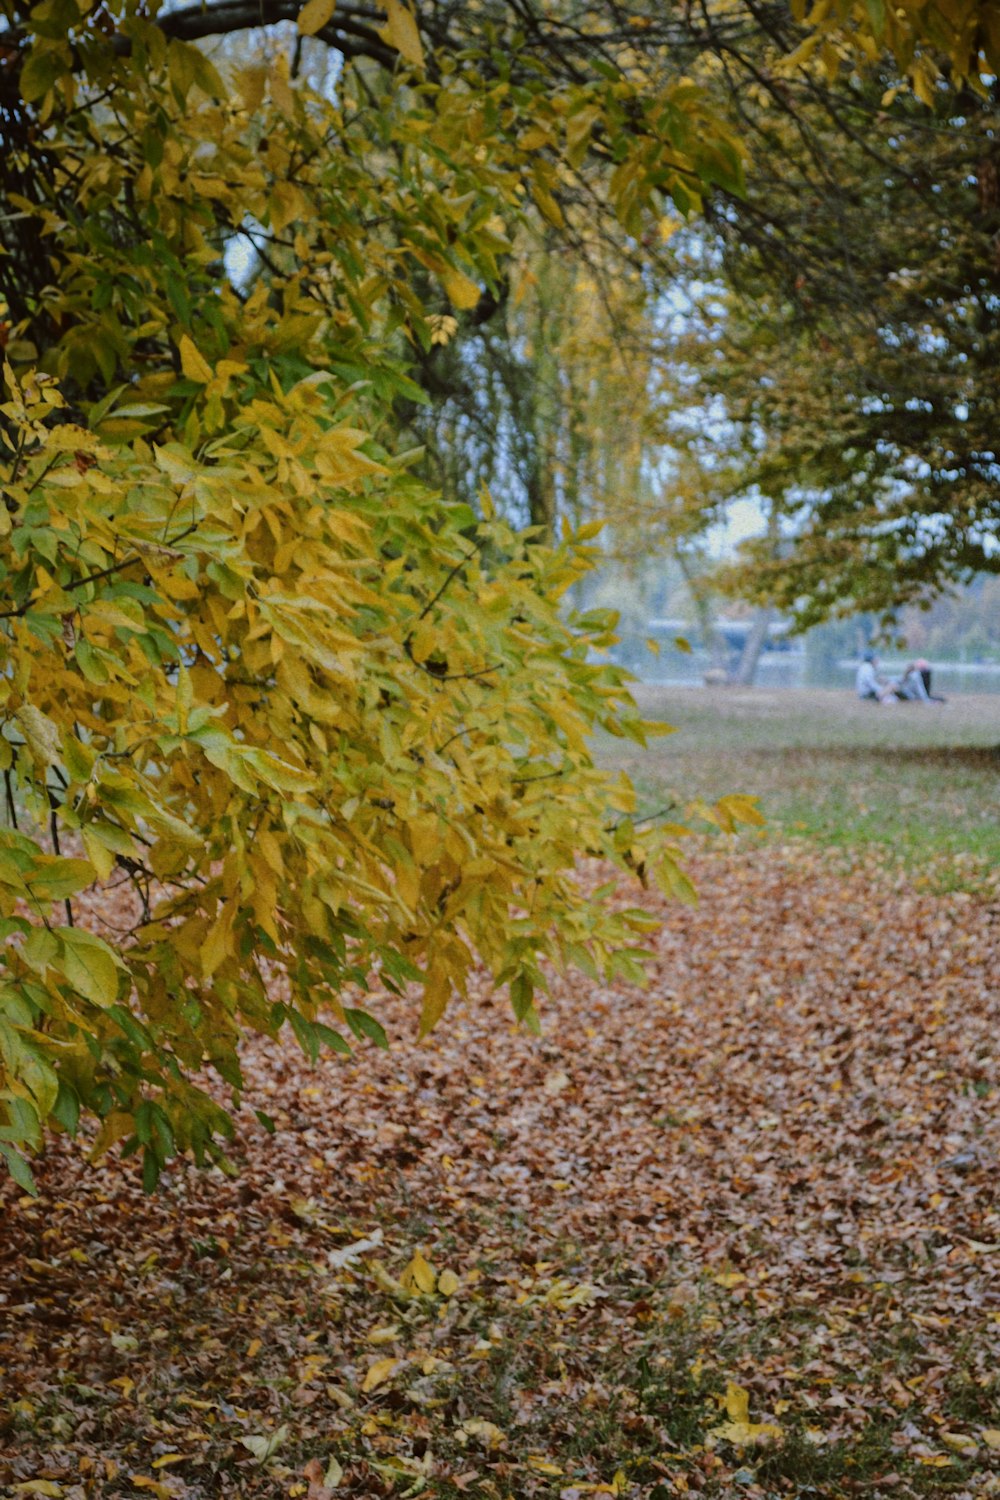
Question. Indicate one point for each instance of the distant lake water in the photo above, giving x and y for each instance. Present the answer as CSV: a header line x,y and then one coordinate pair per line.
x,y
799,669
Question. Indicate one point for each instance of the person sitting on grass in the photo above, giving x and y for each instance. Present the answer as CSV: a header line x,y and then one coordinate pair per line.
x,y
923,666
911,687
869,684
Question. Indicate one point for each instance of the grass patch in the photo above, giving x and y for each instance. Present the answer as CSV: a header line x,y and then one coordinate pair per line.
x,y
919,783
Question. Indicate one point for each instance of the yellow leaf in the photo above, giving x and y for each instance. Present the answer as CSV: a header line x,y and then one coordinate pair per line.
x,y
252,82
378,1374
729,1279
400,31
542,1465
168,1458
739,1430
193,365
41,734
90,965
419,1274
314,15
218,945
264,1445
991,1437
487,1432
462,291
253,1349
185,698
958,1442
146,1482
548,205
384,1335
37,1487
737,1402
437,992
102,858
115,1127
448,1283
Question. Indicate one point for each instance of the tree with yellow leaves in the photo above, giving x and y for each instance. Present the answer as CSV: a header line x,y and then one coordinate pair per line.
x,y
324,727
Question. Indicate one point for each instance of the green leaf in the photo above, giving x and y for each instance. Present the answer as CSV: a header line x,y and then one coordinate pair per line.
x,y
150,1171
54,879
305,1034
67,1107
18,1169
333,1039
365,1025
522,993
41,69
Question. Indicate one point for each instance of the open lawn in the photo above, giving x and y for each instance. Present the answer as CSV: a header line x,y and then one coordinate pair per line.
x,y
919,783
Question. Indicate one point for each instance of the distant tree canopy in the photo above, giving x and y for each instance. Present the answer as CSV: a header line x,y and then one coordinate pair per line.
x,y
841,353
308,720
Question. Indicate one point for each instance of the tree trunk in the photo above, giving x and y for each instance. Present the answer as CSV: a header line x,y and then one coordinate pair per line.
x,y
754,645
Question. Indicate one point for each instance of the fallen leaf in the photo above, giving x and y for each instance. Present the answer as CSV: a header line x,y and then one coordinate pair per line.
x,y
419,1275
739,1430
378,1374
264,1445
488,1433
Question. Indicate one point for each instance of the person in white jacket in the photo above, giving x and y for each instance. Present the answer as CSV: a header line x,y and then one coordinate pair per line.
x,y
868,683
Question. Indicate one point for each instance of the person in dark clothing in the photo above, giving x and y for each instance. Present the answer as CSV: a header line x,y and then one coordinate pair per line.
x,y
924,668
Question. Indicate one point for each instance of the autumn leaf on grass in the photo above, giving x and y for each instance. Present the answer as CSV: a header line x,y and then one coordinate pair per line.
x,y
350,1253
564,1295
322,1484
617,1486
488,1433
958,1442
419,1275
542,1465
378,1374
384,1335
264,1445
739,1429
155,1486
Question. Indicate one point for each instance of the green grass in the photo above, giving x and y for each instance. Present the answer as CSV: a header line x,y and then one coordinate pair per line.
x,y
920,783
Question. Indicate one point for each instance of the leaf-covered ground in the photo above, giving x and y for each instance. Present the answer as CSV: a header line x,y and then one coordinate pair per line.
x,y
737,1235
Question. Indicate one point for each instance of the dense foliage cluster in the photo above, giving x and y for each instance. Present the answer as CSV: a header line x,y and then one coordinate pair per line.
x,y
322,722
